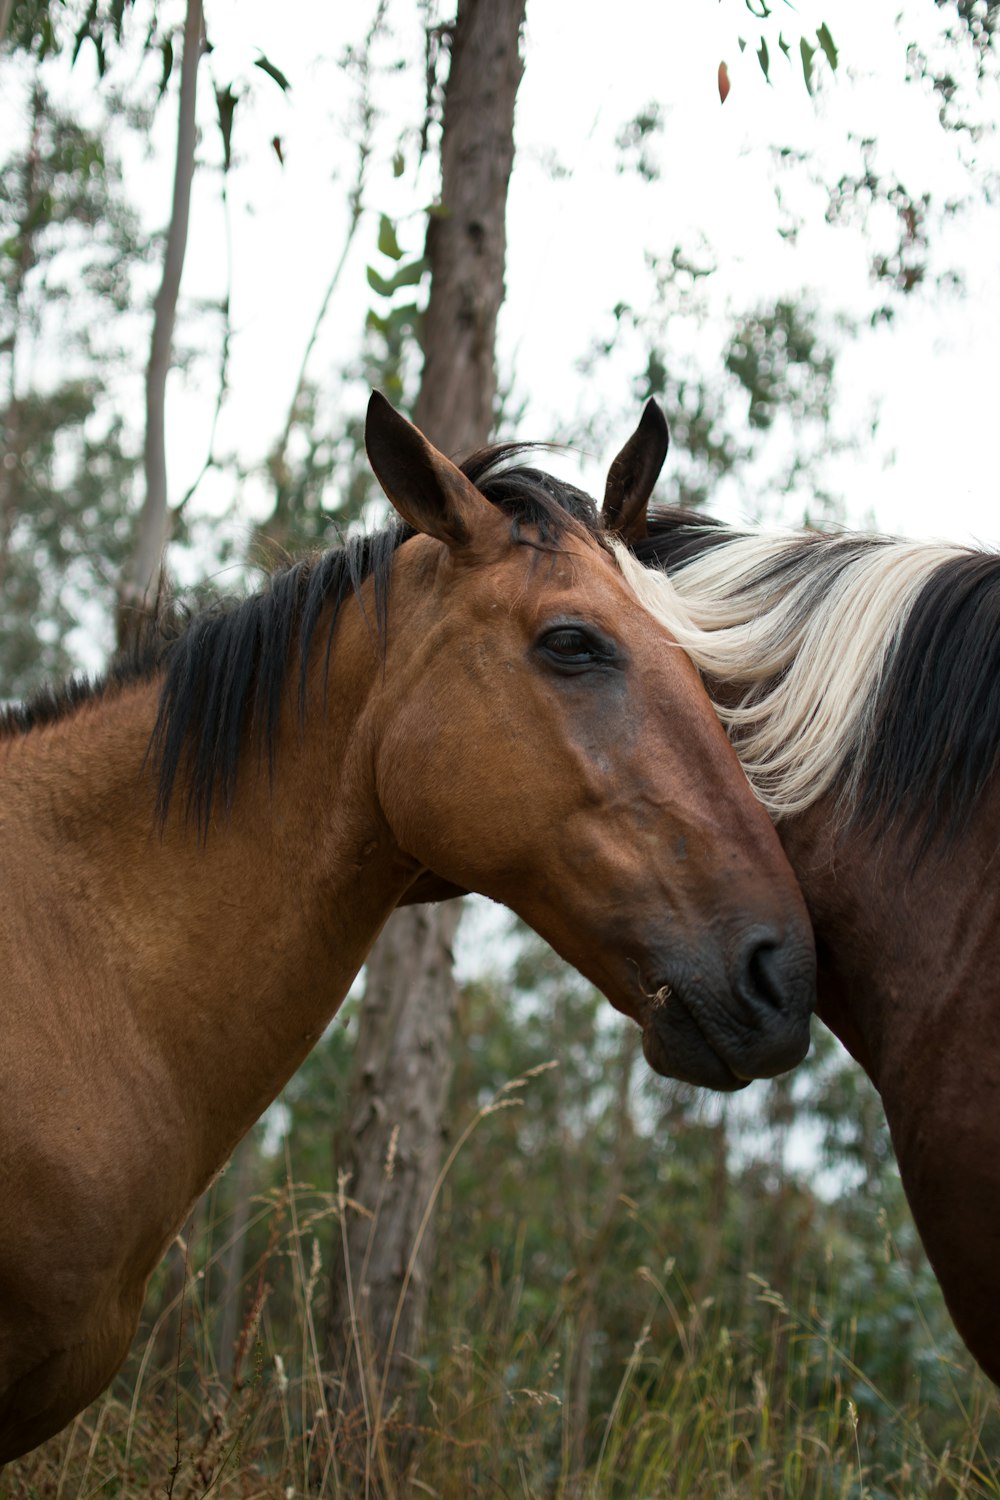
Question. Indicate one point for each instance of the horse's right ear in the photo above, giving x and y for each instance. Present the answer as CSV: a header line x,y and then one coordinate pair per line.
x,y
633,474
428,490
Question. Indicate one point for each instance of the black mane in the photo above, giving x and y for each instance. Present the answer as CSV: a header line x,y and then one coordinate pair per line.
x,y
226,668
934,745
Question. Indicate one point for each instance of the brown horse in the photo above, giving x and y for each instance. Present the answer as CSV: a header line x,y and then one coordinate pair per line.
x,y
177,927
859,678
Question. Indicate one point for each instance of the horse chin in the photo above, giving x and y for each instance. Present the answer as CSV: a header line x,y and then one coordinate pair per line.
x,y
676,1048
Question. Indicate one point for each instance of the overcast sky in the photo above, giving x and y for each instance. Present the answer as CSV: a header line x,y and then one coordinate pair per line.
x,y
580,231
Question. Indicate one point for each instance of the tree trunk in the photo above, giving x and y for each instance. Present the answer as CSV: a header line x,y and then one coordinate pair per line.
x,y
232,1263
140,581
403,1063
402,1069
173,1312
710,1255
467,242
591,1259
11,450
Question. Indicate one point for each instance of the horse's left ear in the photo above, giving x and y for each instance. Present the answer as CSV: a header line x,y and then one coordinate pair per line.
x,y
428,490
633,474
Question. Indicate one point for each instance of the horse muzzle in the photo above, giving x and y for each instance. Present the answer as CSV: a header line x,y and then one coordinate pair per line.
x,y
722,1024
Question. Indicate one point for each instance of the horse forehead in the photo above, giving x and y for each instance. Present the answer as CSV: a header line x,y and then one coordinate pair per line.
x,y
576,566
525,576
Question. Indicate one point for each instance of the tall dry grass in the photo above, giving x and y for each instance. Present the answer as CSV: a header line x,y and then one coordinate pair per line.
x,y
701,1410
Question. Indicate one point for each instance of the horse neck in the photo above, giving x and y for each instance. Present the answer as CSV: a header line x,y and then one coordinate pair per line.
x,y
908,946
212,964
909,979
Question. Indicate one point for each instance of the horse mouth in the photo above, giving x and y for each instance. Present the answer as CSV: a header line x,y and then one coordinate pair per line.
x,y
675,1046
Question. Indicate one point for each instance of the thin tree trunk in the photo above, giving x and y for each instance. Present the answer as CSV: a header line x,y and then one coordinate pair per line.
x,y
174,1308
233,1261
403,1062
140,580
12,450
467,242
394,1144
592,1259
713,1231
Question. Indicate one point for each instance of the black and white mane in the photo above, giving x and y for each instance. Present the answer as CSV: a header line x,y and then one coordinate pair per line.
x,y
844,663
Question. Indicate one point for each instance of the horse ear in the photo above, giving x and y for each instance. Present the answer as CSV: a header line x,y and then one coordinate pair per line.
x,y
633,474
428,490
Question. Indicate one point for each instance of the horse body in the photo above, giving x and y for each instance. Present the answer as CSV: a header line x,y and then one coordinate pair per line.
x,y
909,981
859,681
167,992
507,716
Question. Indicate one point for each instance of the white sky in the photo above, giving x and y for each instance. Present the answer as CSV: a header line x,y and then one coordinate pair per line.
x,y
933,467
578,240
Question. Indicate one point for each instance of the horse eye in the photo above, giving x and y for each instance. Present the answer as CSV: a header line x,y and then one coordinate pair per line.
x,y
577,648
570,644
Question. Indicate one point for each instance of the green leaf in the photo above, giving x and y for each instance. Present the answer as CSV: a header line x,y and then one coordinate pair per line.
x,y
387,241
783,44
808,53
827,43
408,275
404,317
167,48
764,58
86,30
411,274
742,42
225,102
763,13
409,318
398,164
266,66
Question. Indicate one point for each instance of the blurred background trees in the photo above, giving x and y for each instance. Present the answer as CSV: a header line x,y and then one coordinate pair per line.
x,y
71,241
627,1287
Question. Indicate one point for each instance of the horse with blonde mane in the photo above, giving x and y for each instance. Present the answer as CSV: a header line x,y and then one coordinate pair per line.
x,y
858,677
197,854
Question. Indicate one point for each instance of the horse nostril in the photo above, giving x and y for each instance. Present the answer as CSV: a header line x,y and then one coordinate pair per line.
x,y
764,983
763,1028
764,971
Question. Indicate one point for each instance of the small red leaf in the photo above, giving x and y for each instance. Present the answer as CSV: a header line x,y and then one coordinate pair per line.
x,y
723,83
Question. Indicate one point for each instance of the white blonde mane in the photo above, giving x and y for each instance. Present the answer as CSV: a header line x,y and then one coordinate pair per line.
x,y
794,635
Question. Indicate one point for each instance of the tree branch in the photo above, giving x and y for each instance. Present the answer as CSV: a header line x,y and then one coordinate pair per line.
x,y
277,462
140,580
